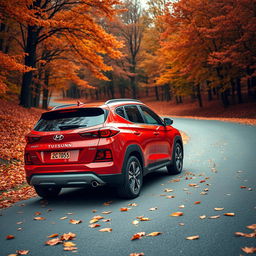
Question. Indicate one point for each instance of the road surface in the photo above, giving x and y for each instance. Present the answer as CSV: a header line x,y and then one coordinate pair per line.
x,y
221,154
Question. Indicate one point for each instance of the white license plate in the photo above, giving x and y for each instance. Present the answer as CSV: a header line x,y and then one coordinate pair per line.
x,y
60,155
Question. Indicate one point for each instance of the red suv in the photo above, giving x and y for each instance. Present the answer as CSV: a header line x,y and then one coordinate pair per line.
x,y
116,143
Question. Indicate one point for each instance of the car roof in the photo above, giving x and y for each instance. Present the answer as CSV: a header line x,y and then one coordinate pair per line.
x,y
109,103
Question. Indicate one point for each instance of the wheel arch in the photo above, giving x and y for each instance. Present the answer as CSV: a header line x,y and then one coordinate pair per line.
x,y
133,150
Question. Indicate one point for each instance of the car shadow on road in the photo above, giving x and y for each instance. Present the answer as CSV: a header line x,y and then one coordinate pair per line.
x,y
95,197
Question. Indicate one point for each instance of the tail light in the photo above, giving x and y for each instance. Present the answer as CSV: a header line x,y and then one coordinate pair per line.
x,y
27,159
103,155
101,133
32,139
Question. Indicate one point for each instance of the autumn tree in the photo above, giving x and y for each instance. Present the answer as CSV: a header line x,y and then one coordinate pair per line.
x,y
131,28
75,22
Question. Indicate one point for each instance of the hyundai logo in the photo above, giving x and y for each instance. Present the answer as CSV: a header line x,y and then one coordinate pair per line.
x,y
58,137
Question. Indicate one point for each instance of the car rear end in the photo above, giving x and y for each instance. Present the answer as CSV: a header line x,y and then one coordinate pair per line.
x,y
71,147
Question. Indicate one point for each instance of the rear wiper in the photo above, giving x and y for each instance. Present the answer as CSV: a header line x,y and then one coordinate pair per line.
x,y
71,126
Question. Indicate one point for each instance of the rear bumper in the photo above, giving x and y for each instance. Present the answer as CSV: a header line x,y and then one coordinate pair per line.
x,y
74,179
73,175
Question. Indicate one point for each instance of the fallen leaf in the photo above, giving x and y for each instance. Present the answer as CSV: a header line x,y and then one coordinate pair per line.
x,y
145,219
138,235
96,219
135,222
70,213
71,221
22,252
203,193
153,208
94,211
168,190
245,234
229,214
53,235
69,248
218,209
9,237
108,203
182,224
242,188
63,218
105,230
19,222
154,234
214,217
137,254
106,212
124,209
53,241
197,202
37,213
69,244
249,249
132,204
182,206
175,180
106,220
39,218
192,185
169,197
192,237
202,181
202,217
176,214
68,236
94,225
12,254
253,226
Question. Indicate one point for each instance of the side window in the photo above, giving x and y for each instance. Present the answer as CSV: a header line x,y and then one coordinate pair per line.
x,y
133,114
150,116
120,111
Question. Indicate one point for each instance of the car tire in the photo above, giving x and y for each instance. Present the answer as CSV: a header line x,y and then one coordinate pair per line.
x,y
177,158
47,192
133,177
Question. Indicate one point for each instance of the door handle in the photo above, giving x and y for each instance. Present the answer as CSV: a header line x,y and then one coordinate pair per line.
x,y
156,133
136,133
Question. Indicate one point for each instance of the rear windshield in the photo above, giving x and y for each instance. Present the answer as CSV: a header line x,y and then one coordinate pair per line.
x,y
71,119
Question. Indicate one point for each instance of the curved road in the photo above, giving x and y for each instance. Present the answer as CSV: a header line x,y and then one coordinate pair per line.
x,y
222,152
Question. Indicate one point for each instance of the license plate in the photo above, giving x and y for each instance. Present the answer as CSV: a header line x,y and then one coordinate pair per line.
x,y
60,155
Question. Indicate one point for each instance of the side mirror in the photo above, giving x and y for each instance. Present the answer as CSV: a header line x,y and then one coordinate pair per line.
x,y
168,121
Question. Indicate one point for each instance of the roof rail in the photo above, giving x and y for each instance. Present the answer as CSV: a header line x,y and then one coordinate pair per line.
x,y
118,100
63,106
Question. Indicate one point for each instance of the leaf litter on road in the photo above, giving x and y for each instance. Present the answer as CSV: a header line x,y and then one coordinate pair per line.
x,y
192,237
176,214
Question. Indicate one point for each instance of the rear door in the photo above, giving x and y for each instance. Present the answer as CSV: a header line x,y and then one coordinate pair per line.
x,y
143,133
67,136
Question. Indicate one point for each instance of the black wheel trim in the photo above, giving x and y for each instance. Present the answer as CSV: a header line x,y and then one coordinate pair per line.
x,y
178,157
134,177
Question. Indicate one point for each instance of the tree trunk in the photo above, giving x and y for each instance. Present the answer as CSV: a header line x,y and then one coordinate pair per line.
x,y
167,92
224,99
209,91
156,93
198,95
233,90
238,90
46,90
30,61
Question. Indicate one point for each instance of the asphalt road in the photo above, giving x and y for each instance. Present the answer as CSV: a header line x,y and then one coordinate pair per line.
x,y
222,152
